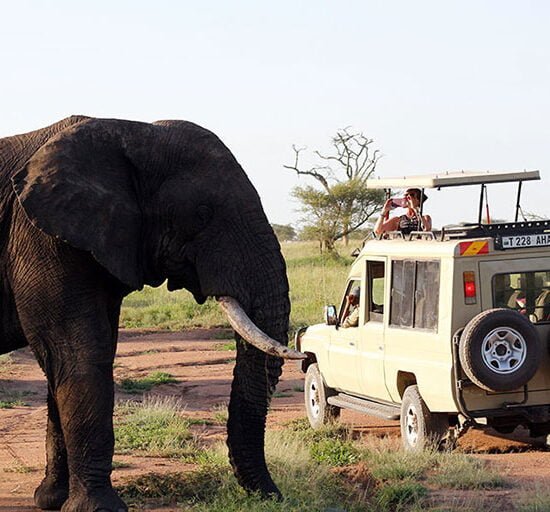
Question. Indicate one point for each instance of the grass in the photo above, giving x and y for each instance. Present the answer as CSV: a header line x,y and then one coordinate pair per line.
x,y
315,280
6,363
11,399
146,383
20,467
459,471
10,404
536,499
228,346
316,470
220,414
154,427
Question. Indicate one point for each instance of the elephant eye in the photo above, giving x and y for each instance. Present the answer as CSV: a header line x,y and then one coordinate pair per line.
x,y
204,214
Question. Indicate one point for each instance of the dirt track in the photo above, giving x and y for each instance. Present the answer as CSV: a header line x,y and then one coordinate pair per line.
x,y
203,374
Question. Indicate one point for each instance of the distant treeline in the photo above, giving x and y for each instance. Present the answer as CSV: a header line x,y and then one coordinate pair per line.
x,y
288,233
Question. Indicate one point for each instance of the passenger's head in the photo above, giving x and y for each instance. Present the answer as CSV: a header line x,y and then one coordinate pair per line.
x,y
353,296
413,195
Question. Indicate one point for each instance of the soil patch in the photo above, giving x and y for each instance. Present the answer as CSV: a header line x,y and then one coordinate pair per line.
x,y
202,365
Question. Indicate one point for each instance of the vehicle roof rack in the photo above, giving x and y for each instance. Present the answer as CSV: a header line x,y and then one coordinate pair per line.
x,y
495,231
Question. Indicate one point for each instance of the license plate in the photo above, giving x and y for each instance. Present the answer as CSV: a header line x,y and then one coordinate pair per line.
x,y
522,241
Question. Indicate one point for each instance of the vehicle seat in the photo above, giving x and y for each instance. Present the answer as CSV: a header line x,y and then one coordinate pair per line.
x,y
512,301
542,305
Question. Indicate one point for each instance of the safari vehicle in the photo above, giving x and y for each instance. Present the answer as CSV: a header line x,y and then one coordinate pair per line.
x,y
453,327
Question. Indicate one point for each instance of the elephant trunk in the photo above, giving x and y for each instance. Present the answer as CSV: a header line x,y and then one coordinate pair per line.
x,y
255,376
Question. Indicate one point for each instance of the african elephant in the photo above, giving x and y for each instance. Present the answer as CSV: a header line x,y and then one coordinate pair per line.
x,y
92,209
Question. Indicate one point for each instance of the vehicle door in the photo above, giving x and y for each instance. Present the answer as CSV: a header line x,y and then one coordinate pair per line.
x,y
344,339
371,345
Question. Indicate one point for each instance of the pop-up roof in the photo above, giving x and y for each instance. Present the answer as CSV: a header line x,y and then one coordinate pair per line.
x,y
452,179
458,178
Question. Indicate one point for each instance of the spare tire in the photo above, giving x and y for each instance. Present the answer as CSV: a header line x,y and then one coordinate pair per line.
x,y
500,350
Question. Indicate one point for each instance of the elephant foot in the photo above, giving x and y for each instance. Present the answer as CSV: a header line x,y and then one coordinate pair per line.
x,y
266,488
105,500
51,494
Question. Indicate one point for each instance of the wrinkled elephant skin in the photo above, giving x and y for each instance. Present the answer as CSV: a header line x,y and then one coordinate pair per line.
x,y
92,209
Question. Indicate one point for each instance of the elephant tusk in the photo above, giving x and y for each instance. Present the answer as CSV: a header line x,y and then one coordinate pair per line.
x,y
242,323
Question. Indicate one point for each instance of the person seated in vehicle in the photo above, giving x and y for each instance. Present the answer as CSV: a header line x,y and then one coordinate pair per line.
x,y
503,291
351,310
410,221
542,304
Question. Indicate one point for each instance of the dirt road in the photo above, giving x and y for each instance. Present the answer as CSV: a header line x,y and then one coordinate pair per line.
x,y
203,367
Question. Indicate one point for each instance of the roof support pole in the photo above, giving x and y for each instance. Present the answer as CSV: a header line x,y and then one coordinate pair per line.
x,y
517,201
481,196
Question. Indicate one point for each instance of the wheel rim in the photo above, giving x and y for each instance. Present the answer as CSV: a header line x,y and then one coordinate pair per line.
x,y
313,402
411,425
504,350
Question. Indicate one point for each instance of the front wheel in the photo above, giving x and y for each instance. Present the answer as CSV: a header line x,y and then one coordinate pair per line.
x,y
319,412
420,428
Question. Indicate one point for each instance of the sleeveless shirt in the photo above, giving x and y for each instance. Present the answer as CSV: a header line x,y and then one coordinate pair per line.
x,y
408,224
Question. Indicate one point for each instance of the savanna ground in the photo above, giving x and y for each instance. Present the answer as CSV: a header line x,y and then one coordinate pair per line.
x,y
173,373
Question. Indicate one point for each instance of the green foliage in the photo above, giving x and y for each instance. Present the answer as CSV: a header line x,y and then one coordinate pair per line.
x,y
146,383
10,404
284,233
334,213
399,496
11,399
155,427
228,346
334,452
342,203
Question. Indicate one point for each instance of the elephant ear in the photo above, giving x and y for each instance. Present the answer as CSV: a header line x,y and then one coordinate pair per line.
x,y
80,187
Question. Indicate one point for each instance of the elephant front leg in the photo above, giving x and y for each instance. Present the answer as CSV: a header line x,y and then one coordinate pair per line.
x,y
85,398
54,489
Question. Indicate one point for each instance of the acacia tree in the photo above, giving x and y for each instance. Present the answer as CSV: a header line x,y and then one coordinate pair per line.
x,y
341,202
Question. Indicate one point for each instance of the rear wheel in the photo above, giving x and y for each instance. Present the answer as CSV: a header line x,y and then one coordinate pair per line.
x,y
319,412
420,428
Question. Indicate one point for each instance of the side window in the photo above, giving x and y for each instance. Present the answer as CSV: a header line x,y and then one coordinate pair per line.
x,y
426,295
415,294
526,292
402,293
349,311
376,279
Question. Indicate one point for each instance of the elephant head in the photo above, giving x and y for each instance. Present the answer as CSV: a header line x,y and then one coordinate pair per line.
x,y
168,200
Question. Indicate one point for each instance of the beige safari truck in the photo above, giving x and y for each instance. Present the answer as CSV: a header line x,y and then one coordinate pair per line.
x,y
453,329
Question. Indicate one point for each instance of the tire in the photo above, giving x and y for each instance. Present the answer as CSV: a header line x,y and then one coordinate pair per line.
x,y
420,429
319,412
500,350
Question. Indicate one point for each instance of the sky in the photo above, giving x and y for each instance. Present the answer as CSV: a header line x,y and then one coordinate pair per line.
x,y
439,85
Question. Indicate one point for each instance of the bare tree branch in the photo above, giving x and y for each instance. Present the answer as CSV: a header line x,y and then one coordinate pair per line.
x,y
344,204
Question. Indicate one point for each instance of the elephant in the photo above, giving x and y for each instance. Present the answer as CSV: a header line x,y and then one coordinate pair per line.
x,y
92,209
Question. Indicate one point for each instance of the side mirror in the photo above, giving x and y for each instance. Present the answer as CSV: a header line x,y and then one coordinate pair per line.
x,y
331,316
